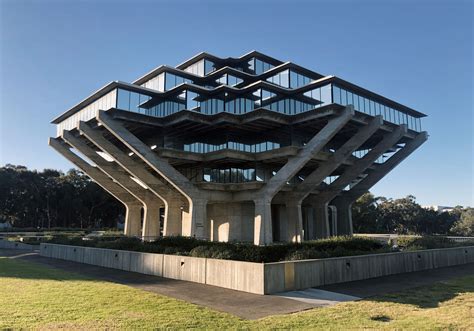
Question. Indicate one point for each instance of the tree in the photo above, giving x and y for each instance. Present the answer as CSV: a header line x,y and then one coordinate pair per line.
x,y
465,225
364,214
53,199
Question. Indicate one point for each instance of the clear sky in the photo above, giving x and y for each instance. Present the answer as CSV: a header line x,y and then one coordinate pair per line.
x,y
419,53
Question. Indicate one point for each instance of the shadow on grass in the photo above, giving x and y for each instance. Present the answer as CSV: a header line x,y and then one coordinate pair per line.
x,y
31,266
430,296
16,264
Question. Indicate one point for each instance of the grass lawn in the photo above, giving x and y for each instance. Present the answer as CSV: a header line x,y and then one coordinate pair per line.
x,y
34,296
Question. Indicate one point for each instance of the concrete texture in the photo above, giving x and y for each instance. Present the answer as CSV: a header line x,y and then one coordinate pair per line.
x,y
264,278
399,282
16,245
317,297
246,305
241,304
314,273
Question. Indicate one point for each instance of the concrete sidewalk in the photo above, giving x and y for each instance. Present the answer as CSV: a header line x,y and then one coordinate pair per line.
x,y
247,305
242,304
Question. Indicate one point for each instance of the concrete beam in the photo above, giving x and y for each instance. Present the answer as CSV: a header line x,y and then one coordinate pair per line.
x,y
383,169
344,201
389,140
133,167
170,198
132,216
321,201
197,202
306,153
263,197
151,224
316,177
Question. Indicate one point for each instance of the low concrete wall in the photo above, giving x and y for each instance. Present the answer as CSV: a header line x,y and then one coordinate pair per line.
x,y
236,275
263,278
295,275
16,245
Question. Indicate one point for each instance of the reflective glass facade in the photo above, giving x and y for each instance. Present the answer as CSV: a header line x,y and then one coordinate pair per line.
x,y
257,66
172,96
289,79
201,68
255,148
229,175
369,106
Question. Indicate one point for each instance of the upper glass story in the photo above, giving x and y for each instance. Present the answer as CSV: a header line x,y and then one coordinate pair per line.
x,y
210,85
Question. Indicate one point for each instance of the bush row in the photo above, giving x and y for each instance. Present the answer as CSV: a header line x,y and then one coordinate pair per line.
x,y
338,246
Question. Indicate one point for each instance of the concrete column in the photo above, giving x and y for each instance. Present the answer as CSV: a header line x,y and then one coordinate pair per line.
x,y
295,220
151,222
263,222
173,214
133,220
133,217
310,232
344,216
199,219
321,221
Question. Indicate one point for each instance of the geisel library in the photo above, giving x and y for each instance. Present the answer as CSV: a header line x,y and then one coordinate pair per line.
x,y
237,149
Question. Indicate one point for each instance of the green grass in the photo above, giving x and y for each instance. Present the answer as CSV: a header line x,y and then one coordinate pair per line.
x,y
37,297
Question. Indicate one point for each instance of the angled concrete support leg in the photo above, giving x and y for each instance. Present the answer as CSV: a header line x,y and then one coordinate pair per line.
x,y
151,223
344,216
263,222
295,220
321,221
133,220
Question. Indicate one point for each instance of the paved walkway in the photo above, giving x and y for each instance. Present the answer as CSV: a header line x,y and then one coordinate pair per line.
x,y
242,304
246,305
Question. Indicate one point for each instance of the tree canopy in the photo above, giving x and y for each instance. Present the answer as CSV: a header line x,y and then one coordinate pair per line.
x,y
372,214
51,198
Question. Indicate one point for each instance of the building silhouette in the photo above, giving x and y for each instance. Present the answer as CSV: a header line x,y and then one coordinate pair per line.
x,y
237,149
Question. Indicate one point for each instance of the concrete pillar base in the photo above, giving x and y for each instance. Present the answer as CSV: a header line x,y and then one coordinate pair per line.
x,y
344,216
295,221
199,219
321,220
263,223
133,220
173,215
151,223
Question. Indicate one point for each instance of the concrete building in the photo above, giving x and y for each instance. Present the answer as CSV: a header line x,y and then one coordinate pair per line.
x,y
237,149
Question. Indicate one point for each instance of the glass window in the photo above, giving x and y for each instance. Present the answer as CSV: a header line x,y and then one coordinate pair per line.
x,y
343,97
208,67
123,99
336,94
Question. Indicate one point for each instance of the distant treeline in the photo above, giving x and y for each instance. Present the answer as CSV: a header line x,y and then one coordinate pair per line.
x,y
372,214
51,198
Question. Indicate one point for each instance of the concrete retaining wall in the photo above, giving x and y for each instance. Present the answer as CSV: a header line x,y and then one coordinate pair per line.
x,y
263,278
295,275
236,275
17,245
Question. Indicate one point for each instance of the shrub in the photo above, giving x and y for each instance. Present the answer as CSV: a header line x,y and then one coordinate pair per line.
x,y
427,242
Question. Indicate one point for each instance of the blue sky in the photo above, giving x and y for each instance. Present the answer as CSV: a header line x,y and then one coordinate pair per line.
x,y
420,53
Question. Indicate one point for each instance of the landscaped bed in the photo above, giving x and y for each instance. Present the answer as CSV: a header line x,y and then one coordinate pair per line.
x,y
317,249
